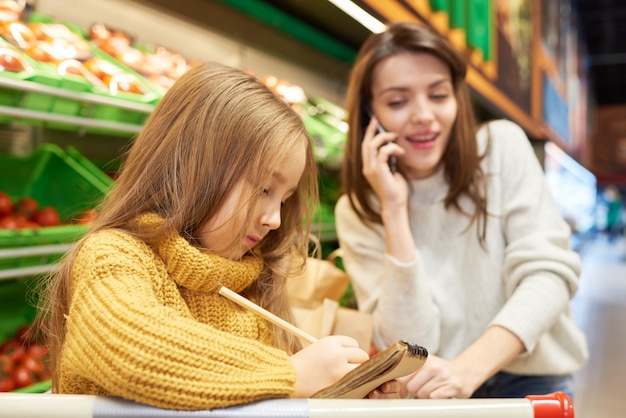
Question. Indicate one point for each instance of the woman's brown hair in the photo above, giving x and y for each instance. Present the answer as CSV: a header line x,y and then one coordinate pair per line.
x,y
216,126
461,158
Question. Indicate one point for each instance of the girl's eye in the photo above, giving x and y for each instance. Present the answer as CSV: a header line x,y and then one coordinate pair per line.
x,y
265,192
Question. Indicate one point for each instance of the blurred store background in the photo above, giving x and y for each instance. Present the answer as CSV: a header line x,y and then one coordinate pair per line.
x,y
556,67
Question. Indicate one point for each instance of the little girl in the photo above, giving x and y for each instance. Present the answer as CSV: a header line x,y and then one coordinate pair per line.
x,y
212,193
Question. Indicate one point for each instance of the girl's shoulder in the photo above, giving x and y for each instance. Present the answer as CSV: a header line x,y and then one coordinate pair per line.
x,y
108,239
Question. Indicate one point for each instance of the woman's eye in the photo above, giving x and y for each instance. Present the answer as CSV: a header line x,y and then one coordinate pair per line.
x,y
265,192
395,103
439,96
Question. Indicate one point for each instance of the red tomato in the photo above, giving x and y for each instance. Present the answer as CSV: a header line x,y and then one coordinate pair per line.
x,y
47,216
7,366
14,350
21,220
27,206
23,377
37,351
23,335
7,384
9,222
33,365
31,225
87,217
6,204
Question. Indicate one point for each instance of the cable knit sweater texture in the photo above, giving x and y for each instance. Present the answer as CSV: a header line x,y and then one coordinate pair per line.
x,y
147,324
454,289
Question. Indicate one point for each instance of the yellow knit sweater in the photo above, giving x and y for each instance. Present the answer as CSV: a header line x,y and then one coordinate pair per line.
x,y
147,324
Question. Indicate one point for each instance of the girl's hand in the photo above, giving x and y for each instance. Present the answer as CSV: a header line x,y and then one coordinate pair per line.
x,y
388,390
376,149
324,362
436,379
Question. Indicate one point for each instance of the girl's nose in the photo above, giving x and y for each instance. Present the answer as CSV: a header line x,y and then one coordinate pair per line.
x,y
271,218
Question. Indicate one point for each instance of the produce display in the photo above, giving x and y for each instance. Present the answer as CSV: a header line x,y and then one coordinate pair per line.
x,y
46,198
22,362
11,60
161,66
55,44
26,213
107,61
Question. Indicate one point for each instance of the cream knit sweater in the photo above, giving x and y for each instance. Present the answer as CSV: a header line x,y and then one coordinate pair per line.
x,y
148,325
454,290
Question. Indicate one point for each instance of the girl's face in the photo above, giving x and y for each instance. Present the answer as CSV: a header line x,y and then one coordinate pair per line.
x,y
413,96
218,232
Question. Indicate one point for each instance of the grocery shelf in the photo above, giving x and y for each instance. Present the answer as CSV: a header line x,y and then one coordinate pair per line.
x,y
83,97
73,120
39,250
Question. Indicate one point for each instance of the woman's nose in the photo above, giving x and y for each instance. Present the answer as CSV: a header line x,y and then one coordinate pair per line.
x,y
421,111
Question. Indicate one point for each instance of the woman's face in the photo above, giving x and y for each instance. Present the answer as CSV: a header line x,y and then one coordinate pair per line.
x,y
217,234
413,96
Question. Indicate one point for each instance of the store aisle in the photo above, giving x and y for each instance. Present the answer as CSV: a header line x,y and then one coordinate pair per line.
x,y
600,309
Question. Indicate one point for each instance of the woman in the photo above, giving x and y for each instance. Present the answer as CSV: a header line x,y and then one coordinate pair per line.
x,y
460,248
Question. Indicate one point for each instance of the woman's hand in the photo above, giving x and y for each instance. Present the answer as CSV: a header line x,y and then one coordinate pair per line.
x,y
459,378
392,191
375,150
388,390
324,362
436,379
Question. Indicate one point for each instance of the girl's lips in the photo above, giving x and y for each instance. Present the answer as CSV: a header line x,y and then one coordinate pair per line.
x,y
251,240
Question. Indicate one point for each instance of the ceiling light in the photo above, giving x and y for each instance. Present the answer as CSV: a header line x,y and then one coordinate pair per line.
x,y
360,15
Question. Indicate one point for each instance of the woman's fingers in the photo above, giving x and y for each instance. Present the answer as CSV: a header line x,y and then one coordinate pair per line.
x,y
376,150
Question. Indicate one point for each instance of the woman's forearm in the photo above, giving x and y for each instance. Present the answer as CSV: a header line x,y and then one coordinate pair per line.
x,y
491,352
398,239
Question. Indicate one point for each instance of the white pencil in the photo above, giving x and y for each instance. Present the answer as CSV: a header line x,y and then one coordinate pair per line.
x,y
235,297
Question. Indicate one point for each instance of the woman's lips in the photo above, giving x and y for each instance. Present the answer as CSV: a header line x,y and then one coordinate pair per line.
x,y
422,140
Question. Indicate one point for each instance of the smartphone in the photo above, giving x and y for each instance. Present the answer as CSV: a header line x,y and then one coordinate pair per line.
x,y
393,160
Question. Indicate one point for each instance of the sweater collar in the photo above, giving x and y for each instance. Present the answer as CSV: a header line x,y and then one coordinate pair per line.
x,y
198,270
430,189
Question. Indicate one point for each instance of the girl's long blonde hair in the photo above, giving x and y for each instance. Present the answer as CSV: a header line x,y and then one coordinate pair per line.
x,y
216,126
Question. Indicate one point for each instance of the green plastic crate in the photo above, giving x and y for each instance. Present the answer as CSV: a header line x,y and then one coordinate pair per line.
x,y
9,96
67,106
114,113
329,142
41,73
16,310
65,180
